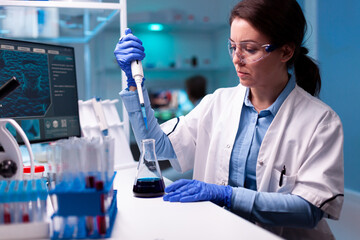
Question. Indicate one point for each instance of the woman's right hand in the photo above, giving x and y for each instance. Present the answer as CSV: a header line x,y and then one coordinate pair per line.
x,y
128,49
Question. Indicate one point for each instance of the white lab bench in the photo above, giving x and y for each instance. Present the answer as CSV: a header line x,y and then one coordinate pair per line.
x,y
155,219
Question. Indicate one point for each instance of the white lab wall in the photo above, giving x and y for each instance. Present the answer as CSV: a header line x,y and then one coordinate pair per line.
x,y
339,36
332,40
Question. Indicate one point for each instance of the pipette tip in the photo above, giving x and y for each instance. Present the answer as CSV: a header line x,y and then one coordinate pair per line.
x,y
144,115
145,120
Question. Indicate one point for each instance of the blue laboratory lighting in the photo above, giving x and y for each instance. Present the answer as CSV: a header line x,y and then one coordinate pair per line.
x,y
155,27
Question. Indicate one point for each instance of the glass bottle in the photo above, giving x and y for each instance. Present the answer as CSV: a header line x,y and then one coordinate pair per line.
x,y
148,181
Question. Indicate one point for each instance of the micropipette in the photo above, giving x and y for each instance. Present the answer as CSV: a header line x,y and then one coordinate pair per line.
x,y
138,75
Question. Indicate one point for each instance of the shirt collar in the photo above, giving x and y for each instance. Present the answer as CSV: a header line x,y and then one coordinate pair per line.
x,y
274,108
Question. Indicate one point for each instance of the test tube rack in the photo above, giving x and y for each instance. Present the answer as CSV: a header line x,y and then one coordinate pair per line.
x,y
23,209
75,207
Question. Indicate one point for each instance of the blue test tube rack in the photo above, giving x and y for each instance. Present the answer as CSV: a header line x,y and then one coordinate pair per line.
x,y
80,204
23,209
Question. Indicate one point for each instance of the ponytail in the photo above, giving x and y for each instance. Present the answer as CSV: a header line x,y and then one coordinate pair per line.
x,y
307,72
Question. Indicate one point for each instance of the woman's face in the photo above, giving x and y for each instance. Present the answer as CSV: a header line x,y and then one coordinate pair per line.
x,y
265,73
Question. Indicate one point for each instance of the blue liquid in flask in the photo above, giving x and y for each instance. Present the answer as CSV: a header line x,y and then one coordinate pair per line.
x,y
149,187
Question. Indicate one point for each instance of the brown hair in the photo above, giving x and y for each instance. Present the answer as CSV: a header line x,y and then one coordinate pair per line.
x,y
284,23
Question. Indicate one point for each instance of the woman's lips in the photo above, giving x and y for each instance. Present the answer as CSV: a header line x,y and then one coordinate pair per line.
x,y
242,74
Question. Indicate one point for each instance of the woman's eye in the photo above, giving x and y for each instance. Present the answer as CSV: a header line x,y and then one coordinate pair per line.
x,y
251,50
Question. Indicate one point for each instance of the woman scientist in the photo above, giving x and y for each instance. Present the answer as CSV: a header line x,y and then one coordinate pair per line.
x,y
268,149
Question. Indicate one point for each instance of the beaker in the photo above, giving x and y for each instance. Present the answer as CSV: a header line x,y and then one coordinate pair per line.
x,y
148,181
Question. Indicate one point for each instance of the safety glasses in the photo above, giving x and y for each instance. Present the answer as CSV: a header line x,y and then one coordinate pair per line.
x,y
249,52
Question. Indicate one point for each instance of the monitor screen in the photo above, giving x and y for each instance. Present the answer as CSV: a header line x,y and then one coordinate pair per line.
x,y
39,89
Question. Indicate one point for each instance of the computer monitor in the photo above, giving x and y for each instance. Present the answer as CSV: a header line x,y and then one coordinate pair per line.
x,y
40,89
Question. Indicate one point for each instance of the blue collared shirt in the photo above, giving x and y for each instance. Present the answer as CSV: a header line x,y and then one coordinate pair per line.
x,y
251,132
256,206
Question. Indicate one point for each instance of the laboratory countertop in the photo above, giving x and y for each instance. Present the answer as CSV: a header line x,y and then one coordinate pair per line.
x,y
155,219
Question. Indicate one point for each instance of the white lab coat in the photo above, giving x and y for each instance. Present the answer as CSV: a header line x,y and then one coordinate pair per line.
x,y
306,136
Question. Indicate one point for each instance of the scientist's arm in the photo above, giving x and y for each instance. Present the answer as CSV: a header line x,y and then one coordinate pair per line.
x,y
163,147
274,209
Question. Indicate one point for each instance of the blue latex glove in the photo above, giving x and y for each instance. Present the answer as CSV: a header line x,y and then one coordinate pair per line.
x,y
128,49
185,190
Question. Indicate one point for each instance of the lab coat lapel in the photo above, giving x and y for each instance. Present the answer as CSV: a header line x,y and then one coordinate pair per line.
x,y
226,133
272,142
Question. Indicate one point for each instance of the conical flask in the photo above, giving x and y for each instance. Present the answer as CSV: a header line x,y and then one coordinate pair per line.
x,y
148,181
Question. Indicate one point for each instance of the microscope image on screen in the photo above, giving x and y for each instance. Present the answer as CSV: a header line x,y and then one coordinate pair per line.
x,y
32,97
38,89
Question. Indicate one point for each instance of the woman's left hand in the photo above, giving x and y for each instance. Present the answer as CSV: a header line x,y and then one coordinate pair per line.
x,y
185,190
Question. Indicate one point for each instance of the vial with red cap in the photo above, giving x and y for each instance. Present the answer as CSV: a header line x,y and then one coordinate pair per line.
x,y
38,172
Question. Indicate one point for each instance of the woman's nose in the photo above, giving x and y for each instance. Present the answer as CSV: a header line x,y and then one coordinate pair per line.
x,y
239,59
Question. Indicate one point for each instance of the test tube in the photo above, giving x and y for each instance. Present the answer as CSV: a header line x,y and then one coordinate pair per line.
x,y
42,196
33,206
90,179
104,164
14,193
23,203
25,217
101,220
81,227
8,210
58,163
3,186
92,159
66,164
70,229
57,226
7,213
50,156
109,144
32,197
53,172
77,165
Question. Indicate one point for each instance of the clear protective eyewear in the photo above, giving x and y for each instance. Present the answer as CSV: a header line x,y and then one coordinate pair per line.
x,y
249,52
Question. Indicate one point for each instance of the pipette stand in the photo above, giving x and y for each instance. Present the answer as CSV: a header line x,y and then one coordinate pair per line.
x,y
93,118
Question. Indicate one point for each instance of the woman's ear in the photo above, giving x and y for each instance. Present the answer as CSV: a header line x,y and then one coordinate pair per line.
x,y
287,51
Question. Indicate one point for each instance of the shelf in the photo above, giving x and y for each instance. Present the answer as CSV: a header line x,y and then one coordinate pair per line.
x,y
61,4
174,20
52,21
180,27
